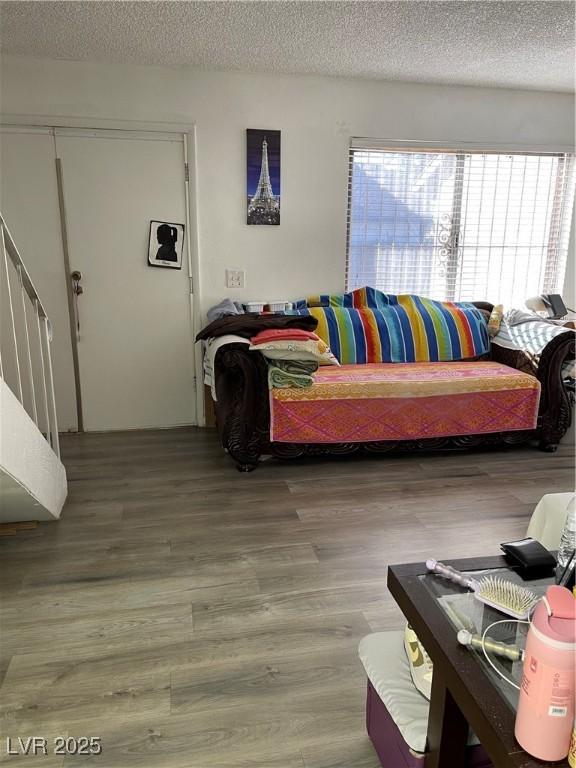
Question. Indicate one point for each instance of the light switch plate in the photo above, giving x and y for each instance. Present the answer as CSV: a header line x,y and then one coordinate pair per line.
x,y
235,278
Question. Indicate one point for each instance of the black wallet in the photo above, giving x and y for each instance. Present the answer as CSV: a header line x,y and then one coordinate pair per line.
x,y
529,554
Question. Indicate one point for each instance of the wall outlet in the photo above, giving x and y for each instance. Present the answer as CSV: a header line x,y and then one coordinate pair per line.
x,y
235,278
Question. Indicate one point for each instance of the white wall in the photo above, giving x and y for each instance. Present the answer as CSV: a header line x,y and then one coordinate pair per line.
x,y
28,184
317,116
569,292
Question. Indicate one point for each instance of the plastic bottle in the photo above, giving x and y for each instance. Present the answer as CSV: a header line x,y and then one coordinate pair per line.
x,y
568,540
545,716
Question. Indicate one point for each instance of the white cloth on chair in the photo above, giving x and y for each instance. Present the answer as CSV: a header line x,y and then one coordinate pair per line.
x,y
548,519
384,659
210,348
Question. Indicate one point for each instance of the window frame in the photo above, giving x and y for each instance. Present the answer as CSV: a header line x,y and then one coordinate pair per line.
x,y
460,149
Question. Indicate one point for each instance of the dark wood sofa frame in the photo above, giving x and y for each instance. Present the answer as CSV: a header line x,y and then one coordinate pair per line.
x,y
243,413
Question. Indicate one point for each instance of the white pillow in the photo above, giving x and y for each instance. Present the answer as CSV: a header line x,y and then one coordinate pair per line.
x,y
287,349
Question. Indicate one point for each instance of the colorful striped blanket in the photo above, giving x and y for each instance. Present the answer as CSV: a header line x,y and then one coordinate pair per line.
x,y
367,326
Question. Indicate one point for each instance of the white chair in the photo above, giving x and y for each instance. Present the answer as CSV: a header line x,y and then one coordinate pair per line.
x,y
548,519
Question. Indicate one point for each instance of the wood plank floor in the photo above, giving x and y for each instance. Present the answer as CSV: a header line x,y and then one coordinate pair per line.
x,y
195,617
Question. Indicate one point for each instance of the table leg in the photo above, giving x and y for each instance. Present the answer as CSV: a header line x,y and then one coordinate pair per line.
x,y
447,729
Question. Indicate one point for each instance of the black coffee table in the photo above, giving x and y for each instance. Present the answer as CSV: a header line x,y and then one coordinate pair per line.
x,y
466,691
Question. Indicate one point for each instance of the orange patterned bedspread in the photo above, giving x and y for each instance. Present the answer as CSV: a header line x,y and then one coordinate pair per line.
x,y
404,401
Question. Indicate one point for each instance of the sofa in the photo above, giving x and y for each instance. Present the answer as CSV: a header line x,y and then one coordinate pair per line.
x,y
497,396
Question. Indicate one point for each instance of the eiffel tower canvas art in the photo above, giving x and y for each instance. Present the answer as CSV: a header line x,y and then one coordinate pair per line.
x,y
263,177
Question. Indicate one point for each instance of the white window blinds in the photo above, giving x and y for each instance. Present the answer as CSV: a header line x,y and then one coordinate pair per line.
x,y
460,226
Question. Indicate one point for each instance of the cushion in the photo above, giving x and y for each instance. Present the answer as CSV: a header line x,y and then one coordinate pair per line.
x,y
400,329
405,401
495,319
310,349
382,655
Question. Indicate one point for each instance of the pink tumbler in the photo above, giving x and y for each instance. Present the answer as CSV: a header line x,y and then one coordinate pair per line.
x,y
546,706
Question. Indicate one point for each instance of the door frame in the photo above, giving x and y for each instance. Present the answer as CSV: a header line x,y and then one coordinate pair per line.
x,y
188,131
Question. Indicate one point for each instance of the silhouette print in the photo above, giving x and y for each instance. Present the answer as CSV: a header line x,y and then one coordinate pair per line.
x,y
167,237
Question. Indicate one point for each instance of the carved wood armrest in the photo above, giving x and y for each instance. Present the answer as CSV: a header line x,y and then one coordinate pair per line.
x,y
520,359
242,408
555,412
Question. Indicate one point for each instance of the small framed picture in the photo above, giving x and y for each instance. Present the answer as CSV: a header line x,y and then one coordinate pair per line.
x,y
166,244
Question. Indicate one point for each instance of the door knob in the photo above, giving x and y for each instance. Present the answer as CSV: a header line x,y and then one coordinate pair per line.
x,y
76,276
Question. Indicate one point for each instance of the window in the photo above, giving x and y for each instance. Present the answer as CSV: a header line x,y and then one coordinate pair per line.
x,y
459,226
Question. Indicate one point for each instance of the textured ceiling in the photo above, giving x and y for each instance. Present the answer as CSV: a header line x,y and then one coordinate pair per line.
x,y
508,44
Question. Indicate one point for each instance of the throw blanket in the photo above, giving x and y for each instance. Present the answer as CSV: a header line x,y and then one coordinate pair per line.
x,y
530,333
367,326
211,347
409,401
291,373
226,307
524,330
249,325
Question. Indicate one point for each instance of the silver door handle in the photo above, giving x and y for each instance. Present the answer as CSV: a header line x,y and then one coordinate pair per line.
x,y
76,287
77,290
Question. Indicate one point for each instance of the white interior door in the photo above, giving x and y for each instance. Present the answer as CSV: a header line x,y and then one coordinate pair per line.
x,y
135,343
29,203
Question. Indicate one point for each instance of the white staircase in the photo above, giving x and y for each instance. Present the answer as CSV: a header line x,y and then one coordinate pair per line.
x,y
32,477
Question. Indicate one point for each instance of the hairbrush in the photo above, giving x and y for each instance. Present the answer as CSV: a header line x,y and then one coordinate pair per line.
x,y
512,599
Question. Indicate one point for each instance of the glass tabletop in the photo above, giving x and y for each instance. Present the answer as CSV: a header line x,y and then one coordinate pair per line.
x,y
466,612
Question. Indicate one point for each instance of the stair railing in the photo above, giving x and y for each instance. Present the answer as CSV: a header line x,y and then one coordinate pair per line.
x,y
25,355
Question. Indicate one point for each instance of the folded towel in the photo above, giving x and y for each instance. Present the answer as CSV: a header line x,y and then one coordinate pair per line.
x,y
276,334
279,379
297,366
